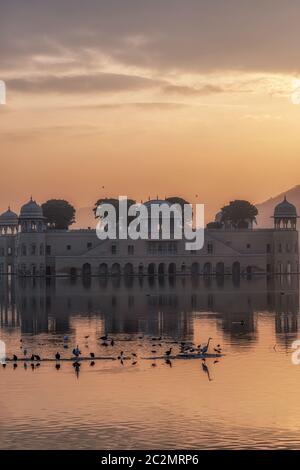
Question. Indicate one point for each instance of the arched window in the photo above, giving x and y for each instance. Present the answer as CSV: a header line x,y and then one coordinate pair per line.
x,y
141,269
73,272
172,269
128,269
236,269
103,269
151,269
161,269
195,269
220,269
207,269
116,269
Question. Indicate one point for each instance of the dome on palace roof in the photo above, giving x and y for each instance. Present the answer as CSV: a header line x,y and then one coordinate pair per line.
x,y
31,210
9,218
285,209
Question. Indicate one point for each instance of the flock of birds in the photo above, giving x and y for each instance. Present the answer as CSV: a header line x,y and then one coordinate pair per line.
x,y
185,349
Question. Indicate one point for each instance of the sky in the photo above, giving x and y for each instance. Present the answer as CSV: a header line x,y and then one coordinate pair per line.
x,y
149,98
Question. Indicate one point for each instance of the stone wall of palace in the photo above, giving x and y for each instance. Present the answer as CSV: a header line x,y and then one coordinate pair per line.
x,y
80,252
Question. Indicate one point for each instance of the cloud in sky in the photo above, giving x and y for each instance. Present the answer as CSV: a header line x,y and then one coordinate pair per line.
x,y
192,87
192,91
194,35
101,82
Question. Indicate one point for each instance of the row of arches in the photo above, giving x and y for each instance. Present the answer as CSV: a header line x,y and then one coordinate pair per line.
x,y
160,269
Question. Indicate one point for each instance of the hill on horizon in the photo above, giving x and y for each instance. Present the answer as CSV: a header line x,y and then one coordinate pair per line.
x,y
85,217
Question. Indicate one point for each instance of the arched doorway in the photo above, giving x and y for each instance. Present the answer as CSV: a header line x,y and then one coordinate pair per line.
x,y
172,269
207,269
220,269
161,269
86,270
141,270
151,269
236,269
128,269
73,272
195,269
103,269
116,269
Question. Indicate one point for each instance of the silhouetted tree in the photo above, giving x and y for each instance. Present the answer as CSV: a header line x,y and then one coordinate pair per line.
x,y
238,213
59,214
115,203
177,200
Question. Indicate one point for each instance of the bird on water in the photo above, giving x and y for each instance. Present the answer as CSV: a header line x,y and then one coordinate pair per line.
x,y
76,351
204,350
121,355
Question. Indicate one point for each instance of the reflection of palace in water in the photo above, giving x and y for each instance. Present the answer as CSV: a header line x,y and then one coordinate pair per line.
x,y
151,306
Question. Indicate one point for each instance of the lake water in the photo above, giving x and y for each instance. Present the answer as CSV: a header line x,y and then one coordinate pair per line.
x,y
250,398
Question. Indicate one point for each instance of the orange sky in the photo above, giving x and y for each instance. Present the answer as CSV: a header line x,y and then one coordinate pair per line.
x,y
147,99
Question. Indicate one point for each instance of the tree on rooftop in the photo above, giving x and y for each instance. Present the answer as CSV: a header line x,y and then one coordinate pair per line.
x,y
239,213
59,214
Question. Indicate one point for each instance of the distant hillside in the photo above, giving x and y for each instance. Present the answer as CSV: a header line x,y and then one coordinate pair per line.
x,y
266,209
85,217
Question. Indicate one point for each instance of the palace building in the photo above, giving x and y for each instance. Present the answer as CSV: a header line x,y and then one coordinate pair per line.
x,y
29,248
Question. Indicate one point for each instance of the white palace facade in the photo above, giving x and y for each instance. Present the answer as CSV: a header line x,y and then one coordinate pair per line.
x,y
29,248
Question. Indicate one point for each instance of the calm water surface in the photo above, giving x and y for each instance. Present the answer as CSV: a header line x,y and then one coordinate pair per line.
x,y
249,399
